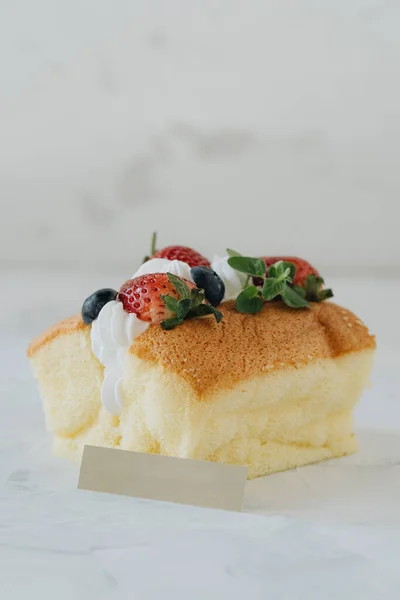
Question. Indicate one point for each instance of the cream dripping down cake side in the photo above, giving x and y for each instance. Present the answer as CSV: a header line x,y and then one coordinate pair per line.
x,y
244,360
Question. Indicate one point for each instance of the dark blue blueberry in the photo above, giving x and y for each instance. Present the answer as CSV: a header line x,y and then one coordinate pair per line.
x,y
93,305
212,284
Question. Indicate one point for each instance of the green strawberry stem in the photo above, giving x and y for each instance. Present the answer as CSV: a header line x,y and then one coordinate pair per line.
x,y
189,306
153,247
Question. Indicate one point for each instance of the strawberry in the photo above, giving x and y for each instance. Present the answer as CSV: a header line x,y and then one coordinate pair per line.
x,y
183,253
164,298
142,296
303,268
292,280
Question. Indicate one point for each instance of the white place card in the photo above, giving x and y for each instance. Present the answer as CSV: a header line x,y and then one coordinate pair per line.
x,y
156,477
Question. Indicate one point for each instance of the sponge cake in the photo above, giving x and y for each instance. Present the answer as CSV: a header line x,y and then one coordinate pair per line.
x,y
272,391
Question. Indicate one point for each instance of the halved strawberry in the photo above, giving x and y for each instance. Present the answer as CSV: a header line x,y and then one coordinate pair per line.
x,y
142,296
164,298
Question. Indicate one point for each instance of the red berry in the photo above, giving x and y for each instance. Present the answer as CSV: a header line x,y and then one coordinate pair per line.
x,y
303,268
183,253
142,296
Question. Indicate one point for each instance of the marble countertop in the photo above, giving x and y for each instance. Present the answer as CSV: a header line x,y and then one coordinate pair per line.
x,y
328,531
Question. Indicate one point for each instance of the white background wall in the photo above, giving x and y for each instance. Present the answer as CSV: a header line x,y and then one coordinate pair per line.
x,y
265,126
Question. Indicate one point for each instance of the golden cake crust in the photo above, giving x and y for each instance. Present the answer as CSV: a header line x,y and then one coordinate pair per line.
x,y
211,356
63,327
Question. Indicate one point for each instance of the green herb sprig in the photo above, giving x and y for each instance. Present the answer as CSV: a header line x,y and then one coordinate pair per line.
x,y
189,306
278,283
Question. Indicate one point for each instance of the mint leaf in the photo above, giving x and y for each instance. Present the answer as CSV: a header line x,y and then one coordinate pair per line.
x,y
293,299
282,270
179,307
179,285
249,301
300,290
273,271
217,314
272,288
189,306
246,264
196,296
231,252
291,267
170,323
183,308
171,303
206,309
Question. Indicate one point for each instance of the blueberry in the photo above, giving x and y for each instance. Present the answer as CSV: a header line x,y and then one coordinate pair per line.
x,y
93,305
212,284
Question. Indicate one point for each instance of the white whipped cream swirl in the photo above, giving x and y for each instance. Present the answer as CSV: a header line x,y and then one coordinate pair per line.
x,y
112,334
114,331
234,280
163,265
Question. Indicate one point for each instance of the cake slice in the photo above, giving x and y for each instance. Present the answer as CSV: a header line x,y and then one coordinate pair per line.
x,y
272,390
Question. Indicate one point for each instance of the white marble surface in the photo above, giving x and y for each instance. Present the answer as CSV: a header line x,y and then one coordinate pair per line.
x,y
328,531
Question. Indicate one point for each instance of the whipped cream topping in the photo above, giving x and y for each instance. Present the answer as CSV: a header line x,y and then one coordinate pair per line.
x,y
234,280
114,331
163,265
112,334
